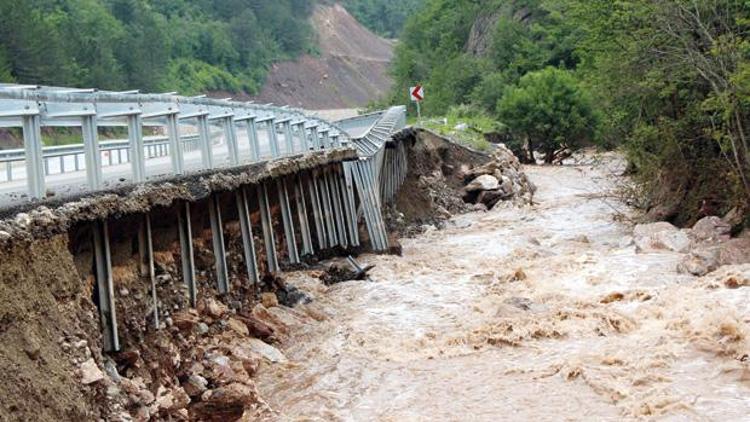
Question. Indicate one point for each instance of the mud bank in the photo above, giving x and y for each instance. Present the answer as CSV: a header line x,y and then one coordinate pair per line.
x,y
446,178
545,312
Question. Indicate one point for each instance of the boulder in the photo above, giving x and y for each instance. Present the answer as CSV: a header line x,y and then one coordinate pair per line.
x,y
195,385
214,308
483,183
256,327
238,326
706,258
227,403
235,393
711,228
267,351
172,400
243,353
491,197
90,372
269,300
186,320
660,236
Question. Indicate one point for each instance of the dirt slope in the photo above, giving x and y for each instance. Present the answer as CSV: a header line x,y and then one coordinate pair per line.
x,y
350,71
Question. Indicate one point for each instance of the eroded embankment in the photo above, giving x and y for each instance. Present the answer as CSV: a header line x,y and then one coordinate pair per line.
x,y
202,359
545,312
445,178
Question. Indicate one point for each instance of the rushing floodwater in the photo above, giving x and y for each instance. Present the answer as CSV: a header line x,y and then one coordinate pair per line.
x,y
504,316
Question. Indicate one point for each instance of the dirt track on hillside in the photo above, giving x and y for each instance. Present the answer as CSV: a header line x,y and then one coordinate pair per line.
x,y
350,72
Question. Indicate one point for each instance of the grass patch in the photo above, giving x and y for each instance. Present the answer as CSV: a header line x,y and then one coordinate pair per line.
x,y
464,125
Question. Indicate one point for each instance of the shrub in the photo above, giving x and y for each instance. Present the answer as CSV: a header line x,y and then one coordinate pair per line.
x,y
550,110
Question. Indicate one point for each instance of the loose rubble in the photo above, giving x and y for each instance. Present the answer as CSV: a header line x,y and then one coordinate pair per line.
x,y
501,179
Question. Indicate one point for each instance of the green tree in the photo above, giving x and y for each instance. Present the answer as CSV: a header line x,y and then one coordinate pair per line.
x,y
550,111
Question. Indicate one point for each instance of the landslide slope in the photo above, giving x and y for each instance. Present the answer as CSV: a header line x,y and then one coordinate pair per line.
x,y
351,70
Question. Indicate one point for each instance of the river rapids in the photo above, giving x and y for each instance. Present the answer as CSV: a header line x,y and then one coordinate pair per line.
x,y
544,313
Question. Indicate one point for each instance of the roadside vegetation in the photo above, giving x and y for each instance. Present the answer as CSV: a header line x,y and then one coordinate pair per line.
x,y
464,124
666,81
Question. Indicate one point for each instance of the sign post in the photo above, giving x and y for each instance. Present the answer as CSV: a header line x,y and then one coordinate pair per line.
x,y
417,95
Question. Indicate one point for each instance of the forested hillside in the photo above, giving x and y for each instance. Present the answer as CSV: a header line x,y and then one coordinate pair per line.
x,y
384,17
189,46
668,81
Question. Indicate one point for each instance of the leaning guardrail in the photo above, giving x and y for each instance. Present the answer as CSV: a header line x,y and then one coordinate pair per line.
x,y
267,132
380,170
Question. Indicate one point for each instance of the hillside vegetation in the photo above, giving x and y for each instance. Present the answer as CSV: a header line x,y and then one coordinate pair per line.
x,y
668,81
384,17
190,46
186,45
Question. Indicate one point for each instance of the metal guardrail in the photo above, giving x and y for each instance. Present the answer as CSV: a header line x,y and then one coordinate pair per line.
x,y
34,107
379,172
70,158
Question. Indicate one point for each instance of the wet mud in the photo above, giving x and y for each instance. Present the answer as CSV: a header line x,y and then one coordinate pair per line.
x,y
543,312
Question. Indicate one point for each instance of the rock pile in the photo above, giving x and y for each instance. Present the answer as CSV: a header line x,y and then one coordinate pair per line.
x,y
500,179
199,368
706,246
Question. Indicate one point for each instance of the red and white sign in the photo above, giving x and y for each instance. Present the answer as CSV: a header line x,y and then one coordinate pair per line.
x,y
416,93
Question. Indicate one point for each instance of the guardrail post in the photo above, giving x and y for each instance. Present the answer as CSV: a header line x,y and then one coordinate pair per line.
x,y
303,136
333,187
267,224
231,136
136,152
312,189
175,144
91,152
105,287
252,135
326,140
327,210
286,217
349,204
32,143
288,138
315,138
248,243
186,250
146,251
272,138
207,155
217,237
299,195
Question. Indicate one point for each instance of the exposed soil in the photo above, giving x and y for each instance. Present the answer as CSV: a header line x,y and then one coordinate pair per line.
x,y
350,72
439,173
39,285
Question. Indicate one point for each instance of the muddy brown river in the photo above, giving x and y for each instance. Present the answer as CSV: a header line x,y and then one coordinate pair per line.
x,y
542,313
